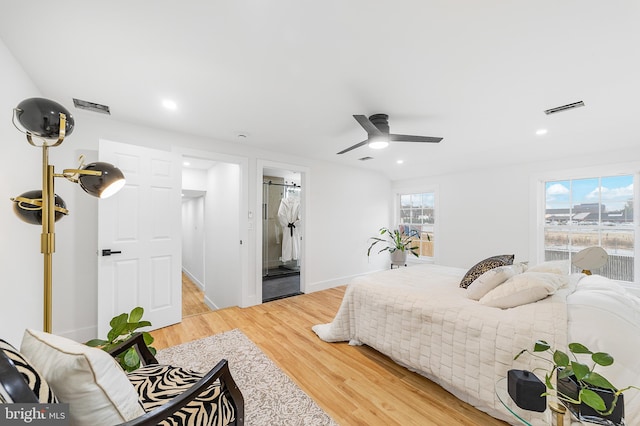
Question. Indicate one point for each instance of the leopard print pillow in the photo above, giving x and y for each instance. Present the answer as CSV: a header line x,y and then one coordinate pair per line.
x,y
484,266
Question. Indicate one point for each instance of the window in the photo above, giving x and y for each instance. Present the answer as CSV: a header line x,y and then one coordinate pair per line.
x,y
417,213
596,211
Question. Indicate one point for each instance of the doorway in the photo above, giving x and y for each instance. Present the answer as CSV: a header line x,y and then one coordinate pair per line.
x,y
193,244
212,252
281,234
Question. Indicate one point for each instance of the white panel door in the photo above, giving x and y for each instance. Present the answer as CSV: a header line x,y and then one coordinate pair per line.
x,y
143,223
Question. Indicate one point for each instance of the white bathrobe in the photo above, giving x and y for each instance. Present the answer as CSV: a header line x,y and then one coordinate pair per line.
x,y
289,219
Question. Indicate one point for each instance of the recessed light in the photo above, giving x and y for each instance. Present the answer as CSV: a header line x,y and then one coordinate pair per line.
x,y
541,132
400,161
169,104
186,163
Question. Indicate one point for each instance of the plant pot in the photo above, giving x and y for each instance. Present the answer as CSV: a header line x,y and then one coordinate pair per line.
x,y
569,386
398,257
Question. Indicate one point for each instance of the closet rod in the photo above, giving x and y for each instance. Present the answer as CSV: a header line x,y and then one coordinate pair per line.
x,y
282,184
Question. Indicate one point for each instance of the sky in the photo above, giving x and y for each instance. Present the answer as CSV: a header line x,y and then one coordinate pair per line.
x,y
613,192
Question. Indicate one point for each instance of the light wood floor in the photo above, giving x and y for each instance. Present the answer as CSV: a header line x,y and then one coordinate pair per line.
x,y
356,385
192,298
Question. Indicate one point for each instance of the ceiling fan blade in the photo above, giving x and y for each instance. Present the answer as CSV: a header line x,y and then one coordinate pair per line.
x,y
411,138
371,129
358,145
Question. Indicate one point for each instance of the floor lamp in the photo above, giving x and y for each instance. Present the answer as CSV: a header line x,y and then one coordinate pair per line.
x,y
46,123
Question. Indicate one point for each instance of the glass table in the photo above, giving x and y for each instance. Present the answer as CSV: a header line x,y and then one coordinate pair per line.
x,y
503,395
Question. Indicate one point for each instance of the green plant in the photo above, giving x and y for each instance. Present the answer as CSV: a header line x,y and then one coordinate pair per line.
x,y
123,327
586,378
396,240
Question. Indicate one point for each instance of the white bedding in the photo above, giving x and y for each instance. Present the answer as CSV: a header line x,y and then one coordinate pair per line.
x,y
605,317
420,318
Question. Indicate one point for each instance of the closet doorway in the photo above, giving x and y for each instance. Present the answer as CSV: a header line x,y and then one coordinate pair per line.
x,y
281,233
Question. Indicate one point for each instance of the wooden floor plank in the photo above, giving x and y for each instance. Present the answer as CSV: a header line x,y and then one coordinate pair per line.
x,y
356,385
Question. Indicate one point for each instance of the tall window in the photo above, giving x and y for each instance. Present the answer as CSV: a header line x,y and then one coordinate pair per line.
x,y
417,213
596,211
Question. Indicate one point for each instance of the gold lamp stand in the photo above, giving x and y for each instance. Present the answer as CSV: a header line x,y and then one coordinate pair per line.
x,y
38,117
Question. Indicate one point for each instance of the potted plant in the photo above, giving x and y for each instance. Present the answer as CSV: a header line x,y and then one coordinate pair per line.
x,y
586,393
123,327
398,243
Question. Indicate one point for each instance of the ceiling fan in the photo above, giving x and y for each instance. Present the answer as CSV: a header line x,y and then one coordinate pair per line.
x,y
378,136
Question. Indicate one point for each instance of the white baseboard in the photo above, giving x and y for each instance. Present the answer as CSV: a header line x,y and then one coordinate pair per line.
x,y
210,303
82,334
196,281
324,285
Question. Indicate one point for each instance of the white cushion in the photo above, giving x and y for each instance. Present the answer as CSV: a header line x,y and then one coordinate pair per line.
x,y
524,288
561,267
89,379
492,279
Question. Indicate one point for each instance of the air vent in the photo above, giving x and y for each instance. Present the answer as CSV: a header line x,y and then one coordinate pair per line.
x,y
91,106
365,158
564,108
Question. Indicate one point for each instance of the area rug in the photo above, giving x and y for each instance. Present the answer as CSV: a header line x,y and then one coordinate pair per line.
x,y
271,397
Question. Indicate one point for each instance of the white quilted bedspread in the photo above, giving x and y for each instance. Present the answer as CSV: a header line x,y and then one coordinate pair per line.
x,y
421,318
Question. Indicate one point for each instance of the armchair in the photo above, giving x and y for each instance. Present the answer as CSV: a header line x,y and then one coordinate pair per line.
x,y
153,394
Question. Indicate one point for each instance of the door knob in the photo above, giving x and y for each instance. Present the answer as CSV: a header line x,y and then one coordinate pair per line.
x,y
109,252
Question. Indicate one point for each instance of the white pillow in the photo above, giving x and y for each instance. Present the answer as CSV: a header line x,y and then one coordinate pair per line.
x,y
561,267
524,288
89,379
492,279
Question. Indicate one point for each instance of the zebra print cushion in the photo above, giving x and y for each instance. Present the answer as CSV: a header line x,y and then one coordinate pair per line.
x,y
157,384
34,379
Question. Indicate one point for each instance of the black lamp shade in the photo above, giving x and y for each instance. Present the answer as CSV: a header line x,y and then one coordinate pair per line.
x,y
32,213
104,186
41,117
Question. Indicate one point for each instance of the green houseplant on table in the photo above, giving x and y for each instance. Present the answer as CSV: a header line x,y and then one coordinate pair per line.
x,y
398,243
123,327
586,393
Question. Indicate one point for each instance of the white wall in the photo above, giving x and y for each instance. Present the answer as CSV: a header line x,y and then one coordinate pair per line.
x,y
345,209
487,212
193,226
222,239
195,180
20,258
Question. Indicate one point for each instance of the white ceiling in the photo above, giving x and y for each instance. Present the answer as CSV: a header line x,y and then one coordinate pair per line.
x,y
291,73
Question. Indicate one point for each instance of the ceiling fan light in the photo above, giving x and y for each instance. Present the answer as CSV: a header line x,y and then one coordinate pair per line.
x,y
378,144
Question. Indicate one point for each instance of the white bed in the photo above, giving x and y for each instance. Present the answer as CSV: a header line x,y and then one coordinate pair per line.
x,y
422,319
